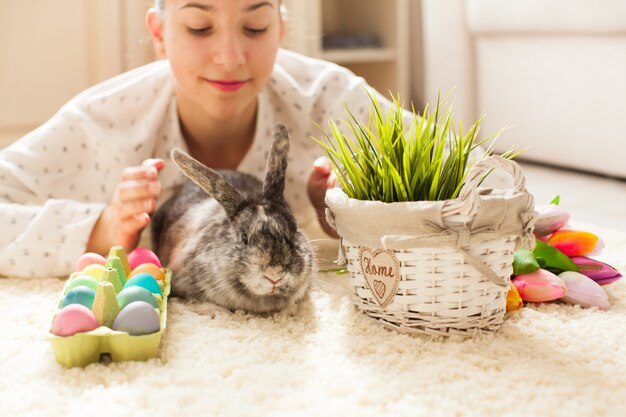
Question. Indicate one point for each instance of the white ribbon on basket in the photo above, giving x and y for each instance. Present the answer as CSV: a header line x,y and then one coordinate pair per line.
x,y
454,239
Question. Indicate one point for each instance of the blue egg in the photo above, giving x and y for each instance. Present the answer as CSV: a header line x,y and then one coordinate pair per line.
x,y
79,295
137,318
135,293
146,281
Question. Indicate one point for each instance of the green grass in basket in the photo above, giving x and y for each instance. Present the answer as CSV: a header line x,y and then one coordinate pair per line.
x,y
384,160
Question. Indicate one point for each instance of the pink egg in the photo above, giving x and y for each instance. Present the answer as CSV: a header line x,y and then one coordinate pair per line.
x,y
89,258
142,256
72,319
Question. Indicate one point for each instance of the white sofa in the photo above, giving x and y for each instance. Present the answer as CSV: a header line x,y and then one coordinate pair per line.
x,y
552,70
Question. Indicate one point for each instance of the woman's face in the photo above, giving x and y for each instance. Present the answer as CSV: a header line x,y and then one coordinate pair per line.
x,y
221,51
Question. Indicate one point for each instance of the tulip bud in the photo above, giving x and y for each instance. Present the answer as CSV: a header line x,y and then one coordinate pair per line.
x,y
573,242
539,286
598,271
513,300
549,219
584,291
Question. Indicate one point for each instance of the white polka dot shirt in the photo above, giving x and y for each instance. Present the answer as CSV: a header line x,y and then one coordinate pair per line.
x,y
55,181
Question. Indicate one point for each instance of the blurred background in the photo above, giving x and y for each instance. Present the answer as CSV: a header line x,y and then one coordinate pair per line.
x,y
552,71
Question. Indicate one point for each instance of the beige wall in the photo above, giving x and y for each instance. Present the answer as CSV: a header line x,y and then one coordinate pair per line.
x,y
52,50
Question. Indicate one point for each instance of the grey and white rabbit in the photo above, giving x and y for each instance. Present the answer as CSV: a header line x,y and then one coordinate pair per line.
x,y
232,240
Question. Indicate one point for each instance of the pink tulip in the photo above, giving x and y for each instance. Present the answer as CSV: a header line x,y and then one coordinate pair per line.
x,y
584,291
598,271
549,219
573,242
539,286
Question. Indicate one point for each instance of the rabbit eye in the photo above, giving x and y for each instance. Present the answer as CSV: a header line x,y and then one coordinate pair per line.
x,y
244,238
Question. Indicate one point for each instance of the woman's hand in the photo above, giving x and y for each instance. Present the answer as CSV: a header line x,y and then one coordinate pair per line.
x,y
134,198
321,179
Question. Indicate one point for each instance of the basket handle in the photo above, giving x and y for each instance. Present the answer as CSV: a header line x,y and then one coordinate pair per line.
x,y
469,193
470,197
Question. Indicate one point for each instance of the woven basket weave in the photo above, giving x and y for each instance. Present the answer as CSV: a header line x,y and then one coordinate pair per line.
x,y
441,267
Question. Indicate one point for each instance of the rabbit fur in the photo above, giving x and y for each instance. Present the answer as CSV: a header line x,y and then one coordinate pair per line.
x,y
232,240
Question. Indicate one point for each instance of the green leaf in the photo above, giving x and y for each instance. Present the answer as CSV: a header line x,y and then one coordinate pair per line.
x,y
382,159
556,200
541,262
524,262
552,259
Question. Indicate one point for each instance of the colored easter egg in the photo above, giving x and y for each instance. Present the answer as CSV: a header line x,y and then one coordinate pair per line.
x,y
72,319
94,270
141,256
137,318
150,268
80,295
85,280
146,281
135,293
89,258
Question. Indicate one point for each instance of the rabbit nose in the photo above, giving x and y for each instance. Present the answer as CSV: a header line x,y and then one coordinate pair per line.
x,y
274,282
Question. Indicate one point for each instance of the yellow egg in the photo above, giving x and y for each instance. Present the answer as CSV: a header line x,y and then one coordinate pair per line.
x,y
150,268
94,270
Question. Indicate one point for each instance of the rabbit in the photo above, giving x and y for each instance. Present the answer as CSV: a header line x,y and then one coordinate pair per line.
x,y
232,240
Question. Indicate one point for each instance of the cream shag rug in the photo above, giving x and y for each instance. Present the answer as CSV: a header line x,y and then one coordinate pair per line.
x,y
327,360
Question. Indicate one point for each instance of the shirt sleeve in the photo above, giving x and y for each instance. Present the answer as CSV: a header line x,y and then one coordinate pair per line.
x,y
56,180
48,201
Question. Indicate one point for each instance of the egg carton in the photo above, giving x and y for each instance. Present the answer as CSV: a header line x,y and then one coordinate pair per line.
x,y
81,349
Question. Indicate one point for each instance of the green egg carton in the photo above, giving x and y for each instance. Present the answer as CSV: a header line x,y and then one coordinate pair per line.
x,y
81,349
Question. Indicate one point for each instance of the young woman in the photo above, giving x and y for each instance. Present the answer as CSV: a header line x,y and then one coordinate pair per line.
x,y
90,177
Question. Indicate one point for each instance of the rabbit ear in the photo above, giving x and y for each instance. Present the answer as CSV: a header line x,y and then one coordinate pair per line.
x,y
277,165
210,181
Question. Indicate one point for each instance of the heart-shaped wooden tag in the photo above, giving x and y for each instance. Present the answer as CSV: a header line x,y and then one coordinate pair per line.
x,y
382,273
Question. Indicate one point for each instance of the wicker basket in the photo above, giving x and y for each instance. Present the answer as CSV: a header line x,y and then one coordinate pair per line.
x,y
436,267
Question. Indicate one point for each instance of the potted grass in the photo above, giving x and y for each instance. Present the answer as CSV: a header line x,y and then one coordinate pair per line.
x,y
428,249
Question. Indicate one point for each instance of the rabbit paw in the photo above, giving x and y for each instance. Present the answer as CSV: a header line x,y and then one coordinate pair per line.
x,y
208,309
294,306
